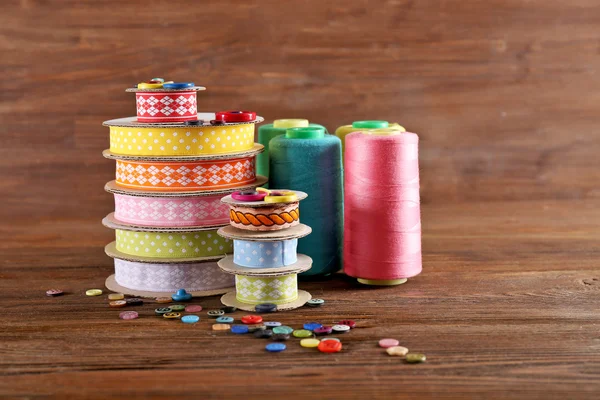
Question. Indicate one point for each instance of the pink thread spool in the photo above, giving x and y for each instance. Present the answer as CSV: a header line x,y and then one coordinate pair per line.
x,y
382,232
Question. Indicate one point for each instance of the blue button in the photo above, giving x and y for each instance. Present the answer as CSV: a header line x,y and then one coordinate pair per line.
x,y
271,324
311,326
224,320
190,319
239,329
178,85
275,347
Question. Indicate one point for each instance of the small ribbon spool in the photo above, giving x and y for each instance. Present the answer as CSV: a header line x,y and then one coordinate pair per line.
x,y
159,102
265,282
131,138
278,210
364,126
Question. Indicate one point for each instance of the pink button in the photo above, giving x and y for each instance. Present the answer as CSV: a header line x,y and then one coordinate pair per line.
x,y
128,315
385,343
193,308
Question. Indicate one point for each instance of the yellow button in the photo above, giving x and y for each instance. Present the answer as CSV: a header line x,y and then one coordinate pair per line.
x,y
93,292
278,196
221,327
290,123
116,296
145,85
310,342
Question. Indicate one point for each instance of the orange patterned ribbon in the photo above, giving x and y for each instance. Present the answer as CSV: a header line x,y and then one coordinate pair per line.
x,y
186,176
265,219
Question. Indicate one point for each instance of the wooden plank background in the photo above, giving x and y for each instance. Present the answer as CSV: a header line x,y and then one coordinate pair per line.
x,y
503,93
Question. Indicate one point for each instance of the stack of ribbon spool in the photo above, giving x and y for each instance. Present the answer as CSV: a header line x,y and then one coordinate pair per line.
x,y
173,165
265,228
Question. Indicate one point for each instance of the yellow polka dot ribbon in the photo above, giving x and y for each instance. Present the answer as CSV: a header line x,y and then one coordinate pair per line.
x,y
276,290
181,141
172,244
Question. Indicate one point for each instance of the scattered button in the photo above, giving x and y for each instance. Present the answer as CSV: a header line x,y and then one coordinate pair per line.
x,y
162,310
239,329
280,337
54,292
397,351
324,330
329,346
414,358
116,296
348,322
194,122
331,338
286,330
163,300
221,327
128,315
134,301
224,320
275,347
193,308
181,295
256,327
310,342
117,303
263,334
215,313
172,315
93,292
315,302
228,309
311,326
177,307
252,319
302,333
272,324
340,328
385,343
190,319
265,308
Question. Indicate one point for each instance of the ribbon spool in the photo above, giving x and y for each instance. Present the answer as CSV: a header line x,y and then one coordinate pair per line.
x,y
308,159
382,235
265,282
158,104
269,131
364,126
131,138
154,280
263,215
185,176
172,210
247,253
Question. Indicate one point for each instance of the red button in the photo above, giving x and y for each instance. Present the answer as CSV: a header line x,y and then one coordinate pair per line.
x,y
330,346
348,322
252,319
235,116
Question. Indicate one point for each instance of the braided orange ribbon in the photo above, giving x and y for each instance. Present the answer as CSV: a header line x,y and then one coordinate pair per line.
x,y
250,219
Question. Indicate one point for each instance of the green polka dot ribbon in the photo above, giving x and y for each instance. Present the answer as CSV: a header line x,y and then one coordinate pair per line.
x,y
173,245
276,290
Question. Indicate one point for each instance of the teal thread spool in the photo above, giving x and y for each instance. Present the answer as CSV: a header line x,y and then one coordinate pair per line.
x,y
268,132
310,160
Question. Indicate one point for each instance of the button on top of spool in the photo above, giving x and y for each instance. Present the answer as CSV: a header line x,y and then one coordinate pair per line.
x,y
370,124
249,195
235,116
310,132
290,123
178,85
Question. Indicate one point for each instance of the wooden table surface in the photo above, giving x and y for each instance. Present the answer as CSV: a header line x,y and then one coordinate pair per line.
x,y
504,97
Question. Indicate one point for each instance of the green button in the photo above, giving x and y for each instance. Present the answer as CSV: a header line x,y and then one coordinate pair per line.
x,y
303,333
177,307
414,358
286,330
310,132
163,310
370,124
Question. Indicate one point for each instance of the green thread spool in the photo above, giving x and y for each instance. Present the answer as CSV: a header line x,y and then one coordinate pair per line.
x,y
309,160
269,131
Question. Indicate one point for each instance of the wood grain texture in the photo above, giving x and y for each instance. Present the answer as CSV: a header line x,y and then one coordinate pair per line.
x,y
503,94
